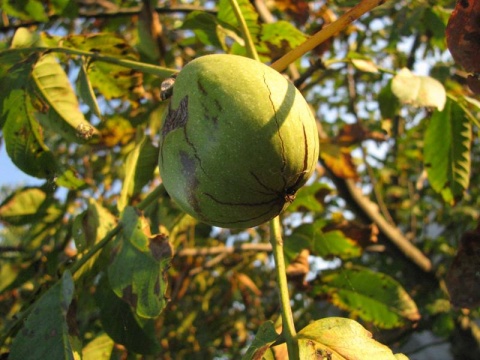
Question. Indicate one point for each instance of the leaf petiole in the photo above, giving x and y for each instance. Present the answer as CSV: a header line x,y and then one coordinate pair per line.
x,y
249,45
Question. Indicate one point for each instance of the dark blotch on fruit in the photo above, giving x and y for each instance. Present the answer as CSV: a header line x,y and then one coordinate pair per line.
x,y
176,118
464,3
189,167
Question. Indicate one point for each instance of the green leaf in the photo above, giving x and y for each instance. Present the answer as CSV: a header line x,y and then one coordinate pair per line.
x,y
45,333
325,244
115,81
24,206
278,38
7,62
280,32
60,110
8,274
435,20
476,103
65,8
92,225
89,228
122,325
335,243
24,38
418,91
265,337
205,27
15,70
103,44
310,197
85,90
139,168
112,81
301,238
24,138
14,74
388,103
447,151
146,44
70,179
137,273
41,231
342,339
373,296
25,9
99,348
53,84
362,62
226,15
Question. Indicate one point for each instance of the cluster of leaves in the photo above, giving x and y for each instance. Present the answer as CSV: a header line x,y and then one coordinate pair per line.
x,y
91,255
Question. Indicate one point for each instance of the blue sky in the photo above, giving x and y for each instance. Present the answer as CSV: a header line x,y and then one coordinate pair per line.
x,y
10,175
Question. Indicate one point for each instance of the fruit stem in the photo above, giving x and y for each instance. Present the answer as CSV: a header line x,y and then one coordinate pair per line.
x,y
249,45
288,331
326,33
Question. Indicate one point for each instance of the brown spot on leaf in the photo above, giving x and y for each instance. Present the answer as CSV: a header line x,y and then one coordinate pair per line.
x,y
129,296
260,352
72,319
51,333
160,247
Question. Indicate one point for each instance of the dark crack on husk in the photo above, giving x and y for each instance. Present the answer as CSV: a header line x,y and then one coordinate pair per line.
x,y
176,118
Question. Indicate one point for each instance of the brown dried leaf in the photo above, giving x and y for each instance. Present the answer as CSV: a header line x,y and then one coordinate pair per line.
x,y
299,266
298,9
246,282
463,277
339,160
462,34
356,133
363,235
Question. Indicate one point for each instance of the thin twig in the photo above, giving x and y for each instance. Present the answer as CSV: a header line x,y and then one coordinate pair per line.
x,y
393,233
352,95
13,248
215,250
113,13
209,264
378,196
131,64
326,33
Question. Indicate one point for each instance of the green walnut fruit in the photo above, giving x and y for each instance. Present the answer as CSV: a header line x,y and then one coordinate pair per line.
x,y
237,142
